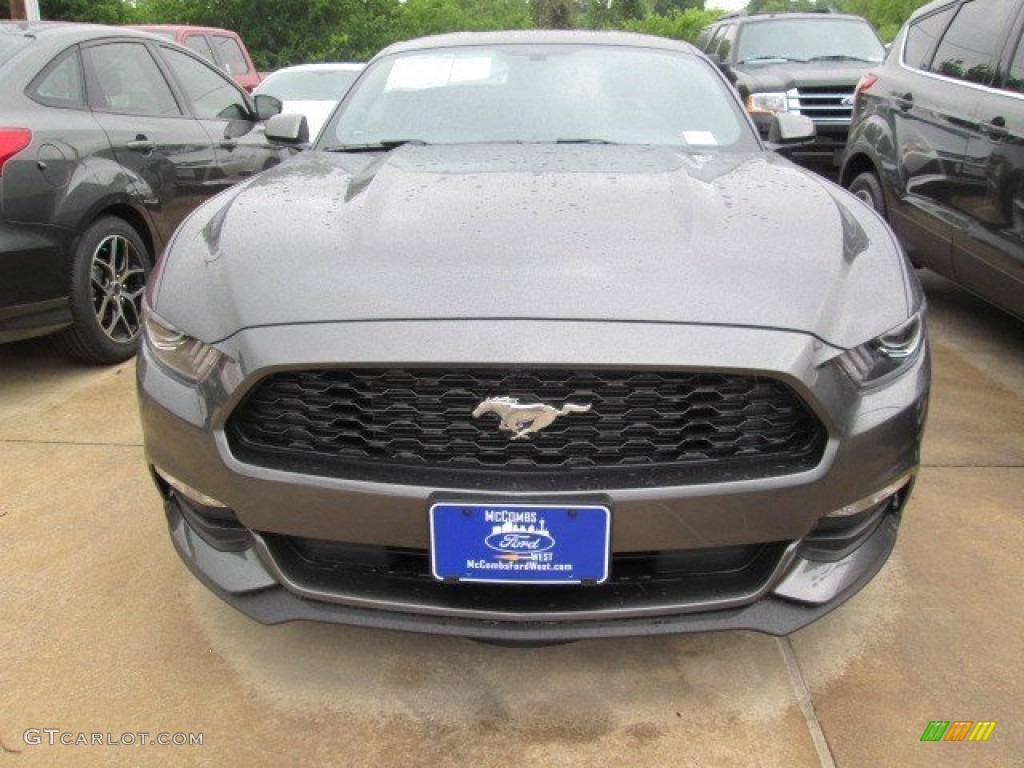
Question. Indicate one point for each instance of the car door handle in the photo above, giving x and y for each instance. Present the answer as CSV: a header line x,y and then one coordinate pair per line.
x,y
996,128
228,144
904,102
141,144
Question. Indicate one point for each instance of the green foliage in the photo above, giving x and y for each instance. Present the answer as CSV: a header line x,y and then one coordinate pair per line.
x,y
283,32
95,11
416,18
553,14
679,25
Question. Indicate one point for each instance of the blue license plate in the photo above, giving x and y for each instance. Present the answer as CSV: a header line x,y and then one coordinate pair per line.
x,y
519,543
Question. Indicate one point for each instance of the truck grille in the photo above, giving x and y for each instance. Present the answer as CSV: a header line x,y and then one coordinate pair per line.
x,y
390,424
823,103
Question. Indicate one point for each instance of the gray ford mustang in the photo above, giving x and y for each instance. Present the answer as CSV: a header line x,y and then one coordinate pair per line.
x,y
538,342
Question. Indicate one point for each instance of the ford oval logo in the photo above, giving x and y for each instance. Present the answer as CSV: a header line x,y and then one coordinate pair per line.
x,y
520,539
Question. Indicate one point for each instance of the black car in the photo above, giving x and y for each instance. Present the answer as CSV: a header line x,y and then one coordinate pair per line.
x,y
808,63
108,138
937,144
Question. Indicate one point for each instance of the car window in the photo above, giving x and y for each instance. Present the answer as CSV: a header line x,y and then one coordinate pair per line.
x,y
127,79
230,54
1015,74
60,84
213,96
715,39
550,93
309,84
965,51
921,37
703,38
725,44
10,44
199,44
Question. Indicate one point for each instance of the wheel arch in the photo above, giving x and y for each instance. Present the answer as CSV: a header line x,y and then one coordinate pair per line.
x,y
855,165
122,208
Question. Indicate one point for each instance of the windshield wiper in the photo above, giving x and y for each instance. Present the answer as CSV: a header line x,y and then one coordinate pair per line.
x,y
584,141
380,146
753,59
842,57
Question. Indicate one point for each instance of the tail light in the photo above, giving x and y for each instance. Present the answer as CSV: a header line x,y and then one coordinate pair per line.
x,y
12,141
865,82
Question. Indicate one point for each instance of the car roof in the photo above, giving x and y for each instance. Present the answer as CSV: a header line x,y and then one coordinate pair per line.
x,y
183,28
323,66
538,37
67,32
741,17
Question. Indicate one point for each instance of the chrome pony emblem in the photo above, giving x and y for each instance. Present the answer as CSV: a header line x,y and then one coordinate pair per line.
x,y
847,101
524,420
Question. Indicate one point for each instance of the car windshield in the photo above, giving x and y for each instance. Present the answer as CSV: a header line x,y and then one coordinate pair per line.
x,y
540,93
818,39
308,85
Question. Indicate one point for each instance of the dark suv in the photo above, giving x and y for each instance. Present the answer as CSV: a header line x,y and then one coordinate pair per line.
x,y
109,137
937,144
806,63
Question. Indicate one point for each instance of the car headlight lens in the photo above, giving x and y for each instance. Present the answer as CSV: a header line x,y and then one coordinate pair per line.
x,y
884,355
769,103
183,354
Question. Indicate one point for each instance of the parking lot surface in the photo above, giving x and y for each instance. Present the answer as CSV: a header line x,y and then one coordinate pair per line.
x,y
105,632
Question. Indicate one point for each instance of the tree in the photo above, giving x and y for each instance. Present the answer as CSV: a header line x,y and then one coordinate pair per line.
x,y
94,11
678,25
553,14
416,18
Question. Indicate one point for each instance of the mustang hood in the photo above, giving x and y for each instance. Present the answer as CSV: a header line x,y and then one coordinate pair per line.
x,y
581,232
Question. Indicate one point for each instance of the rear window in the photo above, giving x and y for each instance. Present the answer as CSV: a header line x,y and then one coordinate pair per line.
x,y
231,54
309,85
10,44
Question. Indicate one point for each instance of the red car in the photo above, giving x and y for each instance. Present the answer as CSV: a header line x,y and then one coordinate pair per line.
x,y
218,46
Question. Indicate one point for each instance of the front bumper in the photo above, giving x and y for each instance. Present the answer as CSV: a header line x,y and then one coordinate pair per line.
x,y
874,440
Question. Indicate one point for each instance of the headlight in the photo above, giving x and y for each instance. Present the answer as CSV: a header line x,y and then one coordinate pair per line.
x,y
770,103
884,355
183,354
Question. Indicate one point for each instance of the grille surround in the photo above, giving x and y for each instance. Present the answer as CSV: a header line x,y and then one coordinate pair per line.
x,y
823,103
414,426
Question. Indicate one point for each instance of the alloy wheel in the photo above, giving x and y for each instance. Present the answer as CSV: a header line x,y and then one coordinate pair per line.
x,y
118,281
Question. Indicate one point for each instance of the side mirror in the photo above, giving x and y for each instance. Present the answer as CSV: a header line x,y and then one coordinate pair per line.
x,y
267,106
786,131
288,129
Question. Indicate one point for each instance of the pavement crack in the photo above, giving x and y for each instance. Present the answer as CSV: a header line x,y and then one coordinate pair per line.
x,y
803,697
7,441
972,466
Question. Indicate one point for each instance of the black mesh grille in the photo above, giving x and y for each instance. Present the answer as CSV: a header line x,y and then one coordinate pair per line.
x,y
360,422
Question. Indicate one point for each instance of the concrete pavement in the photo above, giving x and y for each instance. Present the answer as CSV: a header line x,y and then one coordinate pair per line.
x,y
104,631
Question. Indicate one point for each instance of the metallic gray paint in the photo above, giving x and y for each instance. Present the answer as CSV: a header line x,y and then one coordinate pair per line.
x,y
519,255
646,234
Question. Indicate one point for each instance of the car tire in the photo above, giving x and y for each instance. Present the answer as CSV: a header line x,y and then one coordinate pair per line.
x,y
108,277
868,189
